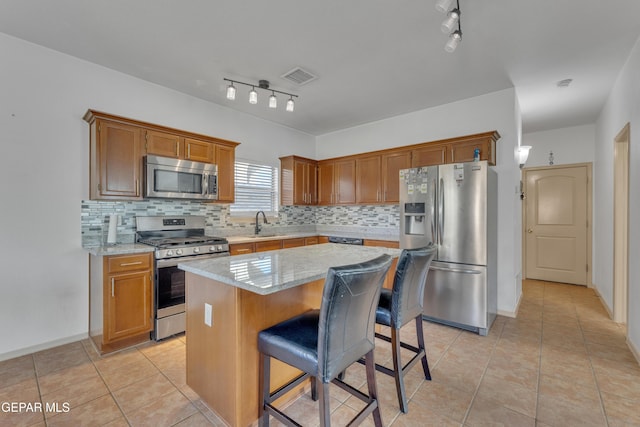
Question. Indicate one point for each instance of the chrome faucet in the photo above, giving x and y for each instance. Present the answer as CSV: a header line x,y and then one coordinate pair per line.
x,y
264,218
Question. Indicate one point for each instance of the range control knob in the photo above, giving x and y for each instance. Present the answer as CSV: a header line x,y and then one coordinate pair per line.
x,y
196,250
179,252
212,249
219,247
169,252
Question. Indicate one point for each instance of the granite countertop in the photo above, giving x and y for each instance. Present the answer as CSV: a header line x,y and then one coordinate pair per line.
x,y
268,272
119,249
261,237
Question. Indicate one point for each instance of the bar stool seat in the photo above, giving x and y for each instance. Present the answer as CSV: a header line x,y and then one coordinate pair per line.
x,y
323,343
400,305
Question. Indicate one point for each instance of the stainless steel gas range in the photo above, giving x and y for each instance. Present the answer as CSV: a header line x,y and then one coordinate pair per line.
x,y
176,239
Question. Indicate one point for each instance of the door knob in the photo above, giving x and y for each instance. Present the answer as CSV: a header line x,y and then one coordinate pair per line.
x,y
529,231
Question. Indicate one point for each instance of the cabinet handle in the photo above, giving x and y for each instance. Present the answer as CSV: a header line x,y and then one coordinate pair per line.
x,y
242,250
188,151
112,286
137,187
178,148
125,264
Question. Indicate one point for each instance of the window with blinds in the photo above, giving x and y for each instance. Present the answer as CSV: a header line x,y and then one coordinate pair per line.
x,y
256,189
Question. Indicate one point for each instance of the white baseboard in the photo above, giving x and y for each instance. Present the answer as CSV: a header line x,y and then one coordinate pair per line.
x,y
603,302
43,346
514,313
634,350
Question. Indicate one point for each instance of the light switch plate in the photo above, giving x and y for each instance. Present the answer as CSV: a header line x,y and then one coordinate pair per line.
x,y
208,314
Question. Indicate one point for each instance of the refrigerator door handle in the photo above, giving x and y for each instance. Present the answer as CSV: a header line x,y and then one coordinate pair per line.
x,y
456,270
433,212
441,211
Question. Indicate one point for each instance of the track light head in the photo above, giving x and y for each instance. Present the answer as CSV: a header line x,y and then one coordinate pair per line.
x,y
273,101
454,40
253,96
451,21
231,92
443,6
290,104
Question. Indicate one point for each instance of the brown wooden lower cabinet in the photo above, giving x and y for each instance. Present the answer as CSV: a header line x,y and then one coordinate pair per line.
x,y
293,243
270,245
121,300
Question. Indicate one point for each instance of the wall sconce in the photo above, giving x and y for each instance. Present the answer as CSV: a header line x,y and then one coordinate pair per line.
x,y
253,95
522,153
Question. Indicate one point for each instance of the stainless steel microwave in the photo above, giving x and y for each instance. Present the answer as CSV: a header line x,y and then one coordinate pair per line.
x,y
169,178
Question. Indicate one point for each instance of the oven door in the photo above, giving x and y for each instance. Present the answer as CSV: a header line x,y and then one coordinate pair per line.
x,y
169,293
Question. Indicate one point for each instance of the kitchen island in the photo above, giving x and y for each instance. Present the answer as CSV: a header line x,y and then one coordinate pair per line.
x,y
229,300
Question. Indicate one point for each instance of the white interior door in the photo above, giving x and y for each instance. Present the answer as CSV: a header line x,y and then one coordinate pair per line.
x,y
556,226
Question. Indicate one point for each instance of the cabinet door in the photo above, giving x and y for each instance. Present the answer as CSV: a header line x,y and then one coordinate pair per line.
x,y
463,151
119,161
345,182
162,144
311,240
325,183
225,159
368,182
312,183
391,165
300,182
128,309
429,156
198,151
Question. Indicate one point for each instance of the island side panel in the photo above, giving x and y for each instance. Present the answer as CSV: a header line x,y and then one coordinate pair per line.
x,y
259,312
212,352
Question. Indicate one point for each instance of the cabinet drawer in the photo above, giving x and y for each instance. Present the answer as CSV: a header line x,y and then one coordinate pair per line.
x,y
269,245
293,243
241,248
311,240
118,263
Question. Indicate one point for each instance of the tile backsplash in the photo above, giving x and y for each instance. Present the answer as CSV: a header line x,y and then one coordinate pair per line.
x,y
379,220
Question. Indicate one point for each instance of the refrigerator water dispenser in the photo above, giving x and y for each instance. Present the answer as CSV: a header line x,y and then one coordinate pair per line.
x,y
415,219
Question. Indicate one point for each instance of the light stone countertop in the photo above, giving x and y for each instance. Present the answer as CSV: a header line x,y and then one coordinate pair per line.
x,y
119,249
262,237
268,272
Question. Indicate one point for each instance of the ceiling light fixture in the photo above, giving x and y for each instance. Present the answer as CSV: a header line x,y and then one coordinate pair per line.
x,y
231,92
253,94
453,19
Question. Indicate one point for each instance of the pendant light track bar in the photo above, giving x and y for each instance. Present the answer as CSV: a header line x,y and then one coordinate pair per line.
x,y
260,86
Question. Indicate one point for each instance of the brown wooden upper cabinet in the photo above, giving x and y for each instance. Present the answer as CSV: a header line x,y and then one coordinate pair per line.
x,y
392,163
118,146
225,158
298,181
368,179
336,182
456,150
115,159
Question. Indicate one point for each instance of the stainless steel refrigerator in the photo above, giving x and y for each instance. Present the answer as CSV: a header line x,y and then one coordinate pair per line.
x,y
454,206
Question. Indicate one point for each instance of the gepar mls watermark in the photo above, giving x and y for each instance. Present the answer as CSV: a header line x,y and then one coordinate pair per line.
x,y
27,407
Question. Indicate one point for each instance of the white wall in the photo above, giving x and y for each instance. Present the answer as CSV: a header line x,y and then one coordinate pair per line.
x,y
574,144
44,176
495,111
622,107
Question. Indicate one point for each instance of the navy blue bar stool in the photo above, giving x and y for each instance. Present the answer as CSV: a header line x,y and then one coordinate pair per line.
x,y
399,306
323,343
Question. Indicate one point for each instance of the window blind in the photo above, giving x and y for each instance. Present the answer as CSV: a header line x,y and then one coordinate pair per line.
x,y
256,187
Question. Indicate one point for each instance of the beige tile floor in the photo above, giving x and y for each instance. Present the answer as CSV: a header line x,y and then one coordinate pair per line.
x,y
562,362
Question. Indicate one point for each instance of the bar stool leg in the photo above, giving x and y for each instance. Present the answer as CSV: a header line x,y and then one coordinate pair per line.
x,y
398,370
265,379
371,384
325,405
425,363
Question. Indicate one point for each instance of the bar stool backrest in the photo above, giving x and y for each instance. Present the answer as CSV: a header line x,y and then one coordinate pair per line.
x,y
347,314
408,284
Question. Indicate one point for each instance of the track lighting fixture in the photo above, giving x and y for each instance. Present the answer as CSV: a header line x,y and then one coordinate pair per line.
x,y
253,94
453,19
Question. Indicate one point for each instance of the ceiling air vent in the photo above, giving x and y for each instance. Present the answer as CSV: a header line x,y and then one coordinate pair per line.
x,y
299,76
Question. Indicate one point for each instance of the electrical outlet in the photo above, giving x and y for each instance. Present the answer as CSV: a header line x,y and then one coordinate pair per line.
x,y
208,314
